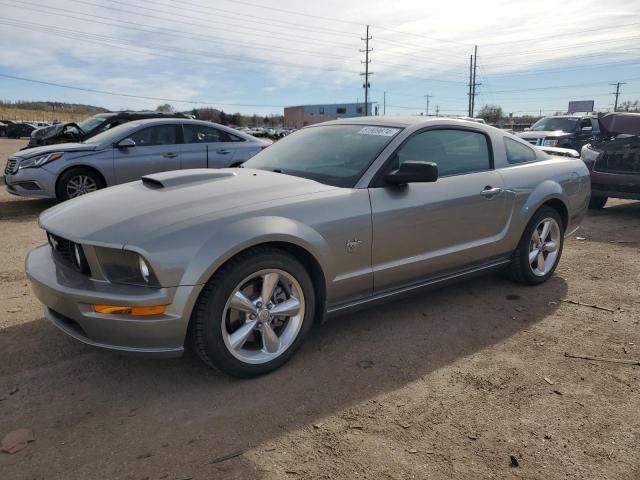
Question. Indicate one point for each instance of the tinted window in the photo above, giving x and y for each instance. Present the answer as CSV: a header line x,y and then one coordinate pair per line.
x,y
341,110
454,151
202,134
156,135
332,154
518,152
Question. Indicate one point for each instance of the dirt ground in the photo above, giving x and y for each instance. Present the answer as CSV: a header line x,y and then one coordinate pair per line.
x,y
449,384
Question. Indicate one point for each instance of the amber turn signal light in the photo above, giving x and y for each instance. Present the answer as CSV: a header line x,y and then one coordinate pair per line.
x,y
136,311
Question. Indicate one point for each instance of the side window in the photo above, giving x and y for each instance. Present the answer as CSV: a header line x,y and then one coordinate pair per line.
x,y
518,152
595,125
454,151
585,122
156,135
201,134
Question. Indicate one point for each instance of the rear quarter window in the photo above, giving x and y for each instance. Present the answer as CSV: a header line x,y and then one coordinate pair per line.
x,y
518,152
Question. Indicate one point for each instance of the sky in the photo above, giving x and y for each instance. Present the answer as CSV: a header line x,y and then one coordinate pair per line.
x,y
257,56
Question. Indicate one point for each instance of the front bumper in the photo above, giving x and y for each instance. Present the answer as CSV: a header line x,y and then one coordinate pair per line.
x,y
31,182
68,297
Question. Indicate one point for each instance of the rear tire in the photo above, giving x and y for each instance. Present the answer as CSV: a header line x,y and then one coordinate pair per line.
x,y
539,250
597,203
269,341
76,182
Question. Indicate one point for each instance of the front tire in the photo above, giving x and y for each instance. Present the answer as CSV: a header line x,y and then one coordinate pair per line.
x,y
597,203
539,250
254,313
76,182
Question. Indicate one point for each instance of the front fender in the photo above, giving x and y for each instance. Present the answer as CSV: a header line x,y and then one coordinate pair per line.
x,y
250,232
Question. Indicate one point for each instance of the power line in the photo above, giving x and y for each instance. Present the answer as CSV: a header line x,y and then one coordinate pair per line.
x,y
74,34
143,97
70,14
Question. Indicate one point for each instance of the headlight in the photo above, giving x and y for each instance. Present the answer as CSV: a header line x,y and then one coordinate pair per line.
x,y
39,161
588,155
125,266
549,143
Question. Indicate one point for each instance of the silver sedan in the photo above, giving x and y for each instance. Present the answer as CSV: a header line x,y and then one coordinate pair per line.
x,y
334,217
126,153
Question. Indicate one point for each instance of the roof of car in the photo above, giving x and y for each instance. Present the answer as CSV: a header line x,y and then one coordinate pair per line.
x,y
399,121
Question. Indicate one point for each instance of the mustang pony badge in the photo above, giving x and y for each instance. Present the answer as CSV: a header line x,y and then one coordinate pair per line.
x,y
352,245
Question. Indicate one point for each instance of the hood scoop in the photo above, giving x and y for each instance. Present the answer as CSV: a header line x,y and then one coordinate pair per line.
x,y
179,178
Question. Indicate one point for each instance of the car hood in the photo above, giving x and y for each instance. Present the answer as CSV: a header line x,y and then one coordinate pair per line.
x,y
543,134
131,213
60,147
51,131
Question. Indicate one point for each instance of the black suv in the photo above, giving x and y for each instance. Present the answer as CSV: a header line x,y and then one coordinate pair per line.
x,y
564,131
78,132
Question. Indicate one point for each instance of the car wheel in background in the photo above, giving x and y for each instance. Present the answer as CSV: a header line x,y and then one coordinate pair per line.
x,y
76,182
254,313
596,203
540,248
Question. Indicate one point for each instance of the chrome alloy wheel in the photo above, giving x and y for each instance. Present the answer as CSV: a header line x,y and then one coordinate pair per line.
x,y
80,185
262,316
543,247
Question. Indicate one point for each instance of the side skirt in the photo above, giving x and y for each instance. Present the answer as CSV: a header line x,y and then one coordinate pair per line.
x,y
415,288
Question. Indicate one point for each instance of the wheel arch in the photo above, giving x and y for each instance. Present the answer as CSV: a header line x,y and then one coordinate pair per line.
x,y
80,166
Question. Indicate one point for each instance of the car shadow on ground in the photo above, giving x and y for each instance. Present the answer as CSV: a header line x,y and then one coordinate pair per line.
x,y
170,404
14,207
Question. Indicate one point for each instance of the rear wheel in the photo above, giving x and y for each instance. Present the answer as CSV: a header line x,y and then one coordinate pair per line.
x,y
76,182
596,203
540,248
254,313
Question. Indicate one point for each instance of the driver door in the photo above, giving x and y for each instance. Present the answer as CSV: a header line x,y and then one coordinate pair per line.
x,y
156,150
422,230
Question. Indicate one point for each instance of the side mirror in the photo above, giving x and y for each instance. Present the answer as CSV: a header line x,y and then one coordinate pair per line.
x,y
126,143
412,171
587,129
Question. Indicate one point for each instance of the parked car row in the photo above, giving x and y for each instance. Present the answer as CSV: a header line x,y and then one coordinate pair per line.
x,y
124,153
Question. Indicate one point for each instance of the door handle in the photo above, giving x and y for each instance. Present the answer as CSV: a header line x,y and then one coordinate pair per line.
x,y
170,155
223,151
490,191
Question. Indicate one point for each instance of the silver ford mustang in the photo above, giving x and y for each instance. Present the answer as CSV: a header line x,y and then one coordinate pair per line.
x,y
336,216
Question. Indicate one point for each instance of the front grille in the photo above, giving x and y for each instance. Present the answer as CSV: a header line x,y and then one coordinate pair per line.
x,y
12,166
621,161
64,251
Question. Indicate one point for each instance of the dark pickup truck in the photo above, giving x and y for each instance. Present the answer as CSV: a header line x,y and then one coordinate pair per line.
x,y
613,158
563,131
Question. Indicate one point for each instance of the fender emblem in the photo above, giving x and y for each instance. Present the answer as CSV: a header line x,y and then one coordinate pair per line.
x,y
352,245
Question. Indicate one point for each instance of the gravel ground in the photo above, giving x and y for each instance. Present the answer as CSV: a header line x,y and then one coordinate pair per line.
x,y
449,384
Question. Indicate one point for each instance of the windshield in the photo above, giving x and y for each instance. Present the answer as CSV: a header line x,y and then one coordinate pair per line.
x,y
112,135
555,123
90,123
335,155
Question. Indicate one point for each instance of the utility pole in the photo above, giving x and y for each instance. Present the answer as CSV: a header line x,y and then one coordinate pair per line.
x,y
474,84
437,110
617,93
470,82
384,103
427,97
366,71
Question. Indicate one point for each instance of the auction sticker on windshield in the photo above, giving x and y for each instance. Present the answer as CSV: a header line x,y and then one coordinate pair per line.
x,y
381,131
